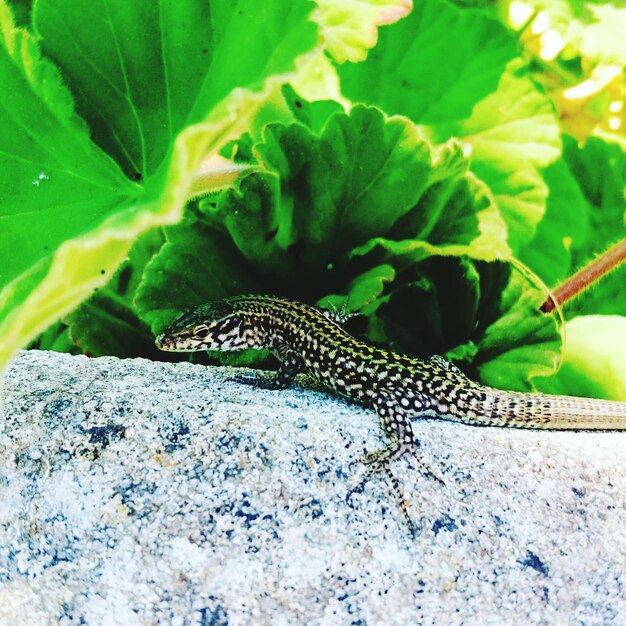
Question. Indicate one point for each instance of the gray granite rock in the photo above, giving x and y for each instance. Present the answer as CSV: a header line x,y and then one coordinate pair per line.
x,y
134,492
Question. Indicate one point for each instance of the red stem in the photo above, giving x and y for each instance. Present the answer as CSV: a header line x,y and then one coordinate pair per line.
x,y
585,277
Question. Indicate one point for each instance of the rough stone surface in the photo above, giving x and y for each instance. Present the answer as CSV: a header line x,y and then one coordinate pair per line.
x,y
134,492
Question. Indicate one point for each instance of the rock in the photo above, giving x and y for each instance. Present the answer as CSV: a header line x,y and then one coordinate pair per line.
x,y
134,492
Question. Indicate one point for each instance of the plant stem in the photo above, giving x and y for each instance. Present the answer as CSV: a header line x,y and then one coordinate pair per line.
x,y
587,276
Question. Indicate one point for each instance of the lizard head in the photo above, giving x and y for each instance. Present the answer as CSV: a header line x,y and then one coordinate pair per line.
x,y
214,326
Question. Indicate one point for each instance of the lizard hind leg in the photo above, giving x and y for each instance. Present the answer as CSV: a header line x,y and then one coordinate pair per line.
x,y
396,407
438,360
339,316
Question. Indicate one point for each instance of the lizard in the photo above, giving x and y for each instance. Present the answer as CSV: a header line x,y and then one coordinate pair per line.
x,y
308,339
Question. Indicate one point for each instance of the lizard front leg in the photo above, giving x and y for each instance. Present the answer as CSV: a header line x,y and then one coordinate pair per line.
x,y
292,364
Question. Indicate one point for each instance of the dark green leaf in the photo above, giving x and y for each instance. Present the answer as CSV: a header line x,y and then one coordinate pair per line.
x,y
317,197
104,325
486,314
198,263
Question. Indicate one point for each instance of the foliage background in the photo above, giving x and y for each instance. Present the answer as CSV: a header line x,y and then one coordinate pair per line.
x,y
438,167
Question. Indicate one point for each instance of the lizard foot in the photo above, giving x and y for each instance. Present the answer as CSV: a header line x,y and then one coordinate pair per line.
x,y
381,460
377,462
258,383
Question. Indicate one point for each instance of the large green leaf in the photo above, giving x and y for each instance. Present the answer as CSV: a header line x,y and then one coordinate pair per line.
x,y
481,94
309,200
68,213
512,134
141,71
432,66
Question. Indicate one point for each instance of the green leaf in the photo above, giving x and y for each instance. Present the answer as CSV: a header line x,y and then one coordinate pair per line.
x,y
507,125
594,363
586,214
313,115
69,214
317,197
456,216
152,81
197,264
416,70
104,325
363,290
22,10
512,134
484,313
432,308
600,169
107,323
463,352
57,338
517,344
566,220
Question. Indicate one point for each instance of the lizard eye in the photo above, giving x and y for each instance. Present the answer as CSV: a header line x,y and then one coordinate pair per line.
x,y
201,332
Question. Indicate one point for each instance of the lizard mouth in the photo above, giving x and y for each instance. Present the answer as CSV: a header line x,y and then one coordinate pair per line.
x,y
168,343
162,342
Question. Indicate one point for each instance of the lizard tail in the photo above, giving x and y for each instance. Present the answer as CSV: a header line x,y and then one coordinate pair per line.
x,y
539,410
